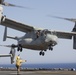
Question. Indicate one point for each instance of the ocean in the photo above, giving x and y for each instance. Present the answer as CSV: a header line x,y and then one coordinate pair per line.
x,y
46,66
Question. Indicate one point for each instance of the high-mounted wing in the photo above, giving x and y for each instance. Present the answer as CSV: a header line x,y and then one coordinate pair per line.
x,y
67,35
16,25
64,35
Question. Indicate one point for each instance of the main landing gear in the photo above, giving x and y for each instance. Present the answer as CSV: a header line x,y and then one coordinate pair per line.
x,y
42,53
19,48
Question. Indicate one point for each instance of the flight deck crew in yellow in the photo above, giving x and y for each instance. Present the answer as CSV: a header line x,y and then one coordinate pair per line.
x,y
18,63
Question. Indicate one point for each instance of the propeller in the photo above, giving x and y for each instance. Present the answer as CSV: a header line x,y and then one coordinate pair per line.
x,y
69,19
2,2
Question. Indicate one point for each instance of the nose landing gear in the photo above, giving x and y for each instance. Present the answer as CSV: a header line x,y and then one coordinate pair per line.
x,y
51,48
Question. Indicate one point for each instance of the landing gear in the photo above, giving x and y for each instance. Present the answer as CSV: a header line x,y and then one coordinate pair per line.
x,y
42,53
12,52
19,48
50,48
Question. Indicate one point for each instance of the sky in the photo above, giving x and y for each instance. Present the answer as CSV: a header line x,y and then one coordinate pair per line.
x,y
37,17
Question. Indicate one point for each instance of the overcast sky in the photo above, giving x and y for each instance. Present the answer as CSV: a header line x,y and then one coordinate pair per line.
x,y
37,16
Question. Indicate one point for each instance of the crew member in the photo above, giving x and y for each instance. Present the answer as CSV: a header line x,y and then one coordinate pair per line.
x,y
19,61
38,33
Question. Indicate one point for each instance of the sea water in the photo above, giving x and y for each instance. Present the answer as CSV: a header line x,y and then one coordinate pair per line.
x,y
47,66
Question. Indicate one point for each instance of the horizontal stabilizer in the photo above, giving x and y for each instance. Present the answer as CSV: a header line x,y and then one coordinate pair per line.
x,y
15,38
5,55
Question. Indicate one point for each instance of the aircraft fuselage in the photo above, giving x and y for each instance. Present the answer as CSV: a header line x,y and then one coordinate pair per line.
x,y
31,41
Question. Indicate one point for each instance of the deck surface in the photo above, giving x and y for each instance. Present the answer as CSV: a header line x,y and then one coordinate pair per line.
x,y
38,73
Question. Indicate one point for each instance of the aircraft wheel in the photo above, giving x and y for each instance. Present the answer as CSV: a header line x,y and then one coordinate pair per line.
x,y
43,53
18,49
40,53
45,50
21,49
50,48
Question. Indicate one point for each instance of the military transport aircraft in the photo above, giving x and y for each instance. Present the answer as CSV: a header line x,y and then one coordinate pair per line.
x,y
35,38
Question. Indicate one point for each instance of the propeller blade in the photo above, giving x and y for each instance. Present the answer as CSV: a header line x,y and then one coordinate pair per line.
x,y
69,19
12,5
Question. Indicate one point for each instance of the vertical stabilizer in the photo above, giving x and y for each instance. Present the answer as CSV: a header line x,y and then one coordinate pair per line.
x,y
12,52
74,37
5,34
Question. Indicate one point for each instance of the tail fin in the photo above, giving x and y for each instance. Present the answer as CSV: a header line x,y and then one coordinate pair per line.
x,y
5,55
74,29
5,34
74,37
15,38
12,52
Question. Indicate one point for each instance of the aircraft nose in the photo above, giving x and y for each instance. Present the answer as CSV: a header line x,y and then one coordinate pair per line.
x,y
51,39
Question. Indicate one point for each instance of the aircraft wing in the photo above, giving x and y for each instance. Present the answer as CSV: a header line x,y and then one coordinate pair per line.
x,y
64,35
16,25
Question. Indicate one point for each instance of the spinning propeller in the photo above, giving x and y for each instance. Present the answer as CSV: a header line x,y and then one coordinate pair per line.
x,y
2,2
69,19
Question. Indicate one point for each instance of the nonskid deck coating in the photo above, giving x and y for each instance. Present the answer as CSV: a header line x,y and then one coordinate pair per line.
x,y
38,73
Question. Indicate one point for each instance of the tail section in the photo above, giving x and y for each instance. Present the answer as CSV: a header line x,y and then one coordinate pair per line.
x,y
74,29
5,35
5,55
12,52
74,37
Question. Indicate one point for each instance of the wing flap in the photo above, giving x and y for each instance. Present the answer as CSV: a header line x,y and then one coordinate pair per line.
x,y
16,25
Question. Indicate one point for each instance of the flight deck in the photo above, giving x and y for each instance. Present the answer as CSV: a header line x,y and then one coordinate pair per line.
x,y
38,73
